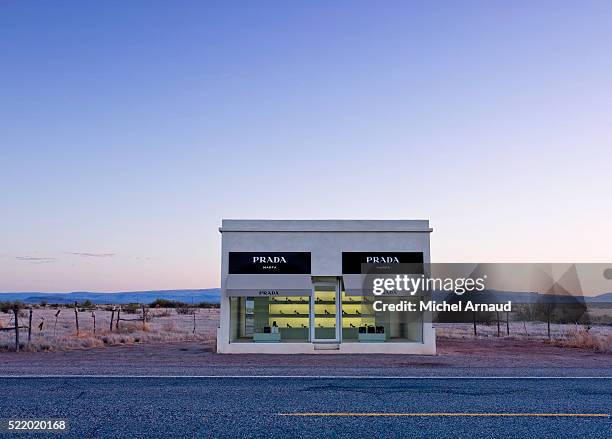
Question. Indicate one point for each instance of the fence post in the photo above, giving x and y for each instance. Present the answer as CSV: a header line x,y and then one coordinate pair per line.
x,y
118,315
30,327
144,317
474,317
194,320
55,324
548,319
93,314
112,318
76,318
16,312
507,323
498,328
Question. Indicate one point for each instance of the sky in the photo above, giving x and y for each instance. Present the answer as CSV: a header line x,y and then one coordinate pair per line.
x,y
128,130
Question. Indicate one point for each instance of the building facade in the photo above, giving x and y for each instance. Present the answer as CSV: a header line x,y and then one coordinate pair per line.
x,y
293,286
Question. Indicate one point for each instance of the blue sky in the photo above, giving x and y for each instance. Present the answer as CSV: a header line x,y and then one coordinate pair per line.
x,y
129,129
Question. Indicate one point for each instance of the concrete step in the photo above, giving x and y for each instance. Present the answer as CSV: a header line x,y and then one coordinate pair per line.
x,y
327,346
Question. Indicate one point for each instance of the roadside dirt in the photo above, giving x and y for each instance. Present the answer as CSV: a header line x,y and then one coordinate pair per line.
x,y
197,358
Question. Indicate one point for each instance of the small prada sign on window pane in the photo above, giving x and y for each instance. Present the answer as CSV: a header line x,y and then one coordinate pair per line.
x,y
269,263
351,261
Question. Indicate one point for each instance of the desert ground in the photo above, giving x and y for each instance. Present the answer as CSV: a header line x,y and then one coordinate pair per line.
x,y
168,344
54,328
58,331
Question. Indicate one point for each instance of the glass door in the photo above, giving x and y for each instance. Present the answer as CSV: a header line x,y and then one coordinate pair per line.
x,y
324,311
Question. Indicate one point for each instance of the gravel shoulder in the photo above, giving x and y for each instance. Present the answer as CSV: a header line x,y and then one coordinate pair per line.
x,y
456,357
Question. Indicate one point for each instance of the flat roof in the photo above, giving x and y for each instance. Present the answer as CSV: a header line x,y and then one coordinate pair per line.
x,y
259,225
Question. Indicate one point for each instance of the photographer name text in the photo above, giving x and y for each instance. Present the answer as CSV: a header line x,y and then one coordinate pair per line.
x,y
444,306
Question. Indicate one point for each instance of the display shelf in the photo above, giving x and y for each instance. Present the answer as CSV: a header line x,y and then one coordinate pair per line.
x,y
289,315
267,337
317,302
289,302
372,338
283,329
283,312
319,315
344,302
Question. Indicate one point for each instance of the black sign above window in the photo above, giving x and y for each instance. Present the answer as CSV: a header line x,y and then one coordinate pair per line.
x,y
269,263
351,261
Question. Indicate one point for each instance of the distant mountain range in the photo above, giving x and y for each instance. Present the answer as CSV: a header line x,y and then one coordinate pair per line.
x,y
519,297
607,297
211,295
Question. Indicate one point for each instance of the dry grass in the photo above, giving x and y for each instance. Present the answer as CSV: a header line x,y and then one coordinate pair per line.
x,y
166,325
163,325
583,339
596,337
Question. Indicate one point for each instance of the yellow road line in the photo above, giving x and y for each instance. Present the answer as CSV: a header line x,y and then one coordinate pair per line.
x,y
524,415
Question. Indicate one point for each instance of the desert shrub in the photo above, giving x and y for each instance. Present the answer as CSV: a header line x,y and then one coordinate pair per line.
x,y
208,305
164,303
163,313
185,309
525,312
131,327
8,306
573,310
130,308
44,347
89,342
585,339
604,319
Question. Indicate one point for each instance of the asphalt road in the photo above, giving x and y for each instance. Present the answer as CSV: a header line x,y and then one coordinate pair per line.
x,y
258,407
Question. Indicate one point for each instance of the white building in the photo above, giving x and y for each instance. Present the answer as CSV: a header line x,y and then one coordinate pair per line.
x,y
293,287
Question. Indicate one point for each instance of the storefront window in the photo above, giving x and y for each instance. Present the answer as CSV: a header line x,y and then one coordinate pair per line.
x,y
360,323
270,319
356,313
325,312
